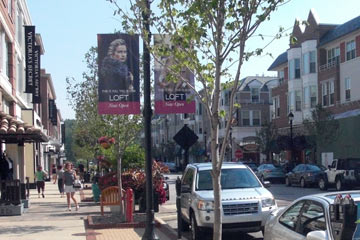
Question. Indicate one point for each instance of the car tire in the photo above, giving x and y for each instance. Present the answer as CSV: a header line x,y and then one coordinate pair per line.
x,y
287,182
262,179
195,230
302,182
339,185
263,231
322,184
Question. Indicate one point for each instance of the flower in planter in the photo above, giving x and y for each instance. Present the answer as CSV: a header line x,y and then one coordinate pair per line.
x,y
106,142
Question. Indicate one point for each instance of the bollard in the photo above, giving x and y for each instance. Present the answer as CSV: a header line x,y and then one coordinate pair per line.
x,y
178,206
129,205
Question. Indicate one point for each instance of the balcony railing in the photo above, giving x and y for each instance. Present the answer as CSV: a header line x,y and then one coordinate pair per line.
x,y
328,66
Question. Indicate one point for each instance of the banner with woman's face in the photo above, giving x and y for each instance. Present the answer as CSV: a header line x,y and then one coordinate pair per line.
x,y
172,92
118,89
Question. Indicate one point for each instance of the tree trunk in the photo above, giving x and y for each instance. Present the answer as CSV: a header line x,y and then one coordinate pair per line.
x,y
122,216
217,208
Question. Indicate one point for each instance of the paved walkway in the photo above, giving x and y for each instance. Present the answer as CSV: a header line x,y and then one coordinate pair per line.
x,y
48,218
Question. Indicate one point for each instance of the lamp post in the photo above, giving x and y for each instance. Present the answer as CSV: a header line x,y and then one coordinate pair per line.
x,y
231,146
291,118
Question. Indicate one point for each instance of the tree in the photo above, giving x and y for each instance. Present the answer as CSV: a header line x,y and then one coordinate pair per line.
x,y
69,128
322,128
89,125
207,38
266,139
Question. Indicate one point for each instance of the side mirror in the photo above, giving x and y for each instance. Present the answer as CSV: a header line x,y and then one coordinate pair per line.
x,y
185,188
316,235
267,184
166,178
329,166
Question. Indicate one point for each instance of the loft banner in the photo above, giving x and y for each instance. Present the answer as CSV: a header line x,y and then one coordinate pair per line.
x,y
118,74
172,91
29,58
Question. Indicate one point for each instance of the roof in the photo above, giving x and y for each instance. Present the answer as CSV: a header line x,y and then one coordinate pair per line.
x,y
341,30
225,165
351,113
330,196
282,58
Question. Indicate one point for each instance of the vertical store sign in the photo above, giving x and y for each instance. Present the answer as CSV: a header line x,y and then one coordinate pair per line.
x,y
29,58
118,88
51,109
172,95
36,92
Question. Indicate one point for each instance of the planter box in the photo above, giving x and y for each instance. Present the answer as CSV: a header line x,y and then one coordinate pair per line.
x,y
11,210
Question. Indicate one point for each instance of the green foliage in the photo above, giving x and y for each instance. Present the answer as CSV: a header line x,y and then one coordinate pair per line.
x,y
69,128
322,127
134,157
266,137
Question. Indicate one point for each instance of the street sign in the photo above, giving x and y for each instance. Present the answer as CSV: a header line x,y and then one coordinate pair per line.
x,y
185,137
239,153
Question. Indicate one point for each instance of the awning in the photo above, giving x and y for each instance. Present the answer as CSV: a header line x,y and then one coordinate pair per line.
x,y
16,131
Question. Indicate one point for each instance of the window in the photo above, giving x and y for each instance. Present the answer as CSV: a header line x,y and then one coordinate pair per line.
x,y
281,76
312,218
347,89
306,97
290,218
309,61
276,106
313,96
19,27
333,55
297,101
350,50
294,68
6,106
255,95
331,93
292,101
324,94
7,58
256,118
245,118
188,178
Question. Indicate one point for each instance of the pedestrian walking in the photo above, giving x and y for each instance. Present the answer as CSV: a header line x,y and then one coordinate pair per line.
x,y
60,179
53,172
69,179
40,180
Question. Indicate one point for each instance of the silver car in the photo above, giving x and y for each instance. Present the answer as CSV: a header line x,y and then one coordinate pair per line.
x,y
310,218
246,203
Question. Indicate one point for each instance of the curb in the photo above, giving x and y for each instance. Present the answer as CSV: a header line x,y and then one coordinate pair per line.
x,y
168,231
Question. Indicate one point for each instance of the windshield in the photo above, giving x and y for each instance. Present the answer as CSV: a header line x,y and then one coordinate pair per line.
x,y
316,168
230,179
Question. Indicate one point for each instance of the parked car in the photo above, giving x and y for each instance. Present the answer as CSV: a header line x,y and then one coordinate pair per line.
x,y
310,218
342,173
252,165
171,166
246,202
270,172
305,175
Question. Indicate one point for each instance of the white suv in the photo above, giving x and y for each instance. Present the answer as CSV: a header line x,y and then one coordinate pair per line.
x,y
246,203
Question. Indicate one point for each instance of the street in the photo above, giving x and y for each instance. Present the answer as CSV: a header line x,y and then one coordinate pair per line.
x,y
283,195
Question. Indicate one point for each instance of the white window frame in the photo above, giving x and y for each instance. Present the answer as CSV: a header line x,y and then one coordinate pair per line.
x,y
347,89
333,55
298,101
350,50
242,118
313,96
331,93
257,94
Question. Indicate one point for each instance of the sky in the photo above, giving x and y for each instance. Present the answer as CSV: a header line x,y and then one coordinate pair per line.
x,y
69,29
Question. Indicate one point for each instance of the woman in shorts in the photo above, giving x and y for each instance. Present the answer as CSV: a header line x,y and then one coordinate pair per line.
x,y
69,178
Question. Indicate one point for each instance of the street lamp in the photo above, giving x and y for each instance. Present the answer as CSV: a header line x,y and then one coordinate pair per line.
x,y
291,118
231,146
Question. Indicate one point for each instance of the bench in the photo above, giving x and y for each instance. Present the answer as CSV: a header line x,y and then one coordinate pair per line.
x,y
110,197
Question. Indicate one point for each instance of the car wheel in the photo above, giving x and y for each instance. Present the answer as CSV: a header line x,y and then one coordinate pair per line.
x,y
263,231
322,184
302,182
339,185
195,230
287,182
262,179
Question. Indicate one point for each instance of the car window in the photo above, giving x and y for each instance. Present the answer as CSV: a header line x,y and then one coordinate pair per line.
x,y
230,179
333,165
290,218
315,168
312,218
296,168
301,168
188,177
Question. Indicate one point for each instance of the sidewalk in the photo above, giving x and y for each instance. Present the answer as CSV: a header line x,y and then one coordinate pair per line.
x,y
48,218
